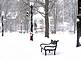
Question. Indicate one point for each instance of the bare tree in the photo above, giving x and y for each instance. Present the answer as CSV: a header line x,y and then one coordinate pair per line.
x,y
46,19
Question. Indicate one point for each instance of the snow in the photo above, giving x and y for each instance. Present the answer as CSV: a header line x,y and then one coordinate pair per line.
x,y
38,17
41,9
18,47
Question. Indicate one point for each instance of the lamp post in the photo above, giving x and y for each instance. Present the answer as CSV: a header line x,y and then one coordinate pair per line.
x,y
2,15
31,33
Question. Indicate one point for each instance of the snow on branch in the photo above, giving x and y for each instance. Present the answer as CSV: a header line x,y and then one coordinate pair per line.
x,y
40,13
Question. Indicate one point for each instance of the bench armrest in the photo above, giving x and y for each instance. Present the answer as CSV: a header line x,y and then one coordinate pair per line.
x,y
43,44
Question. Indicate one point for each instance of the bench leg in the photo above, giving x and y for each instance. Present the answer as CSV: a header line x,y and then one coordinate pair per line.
x,y
45,52
49,51
41,49
54,52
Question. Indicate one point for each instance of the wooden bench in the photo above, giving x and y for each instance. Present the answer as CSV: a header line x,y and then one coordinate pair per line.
x,y
49,47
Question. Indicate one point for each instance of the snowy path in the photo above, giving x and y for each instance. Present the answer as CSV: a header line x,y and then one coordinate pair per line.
x,y
18,47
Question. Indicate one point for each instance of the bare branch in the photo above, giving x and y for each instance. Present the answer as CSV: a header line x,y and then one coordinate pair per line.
x,y
41,3
34,8
53,3
41,13
26,3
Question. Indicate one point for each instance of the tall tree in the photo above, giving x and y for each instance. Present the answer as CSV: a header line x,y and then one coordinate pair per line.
x,y
24,14
46,19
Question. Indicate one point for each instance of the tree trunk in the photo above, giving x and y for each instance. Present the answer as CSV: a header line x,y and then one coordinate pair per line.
x,y
2,26
46,19
55,18
78,33
75,16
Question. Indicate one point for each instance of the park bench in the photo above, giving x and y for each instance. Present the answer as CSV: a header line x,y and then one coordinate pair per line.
x,y
49,47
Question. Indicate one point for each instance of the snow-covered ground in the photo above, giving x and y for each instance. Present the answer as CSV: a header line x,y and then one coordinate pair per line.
x,y
18,47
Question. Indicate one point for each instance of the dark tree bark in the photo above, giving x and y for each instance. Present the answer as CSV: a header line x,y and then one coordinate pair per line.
x,y
2,26
46,19
78,33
